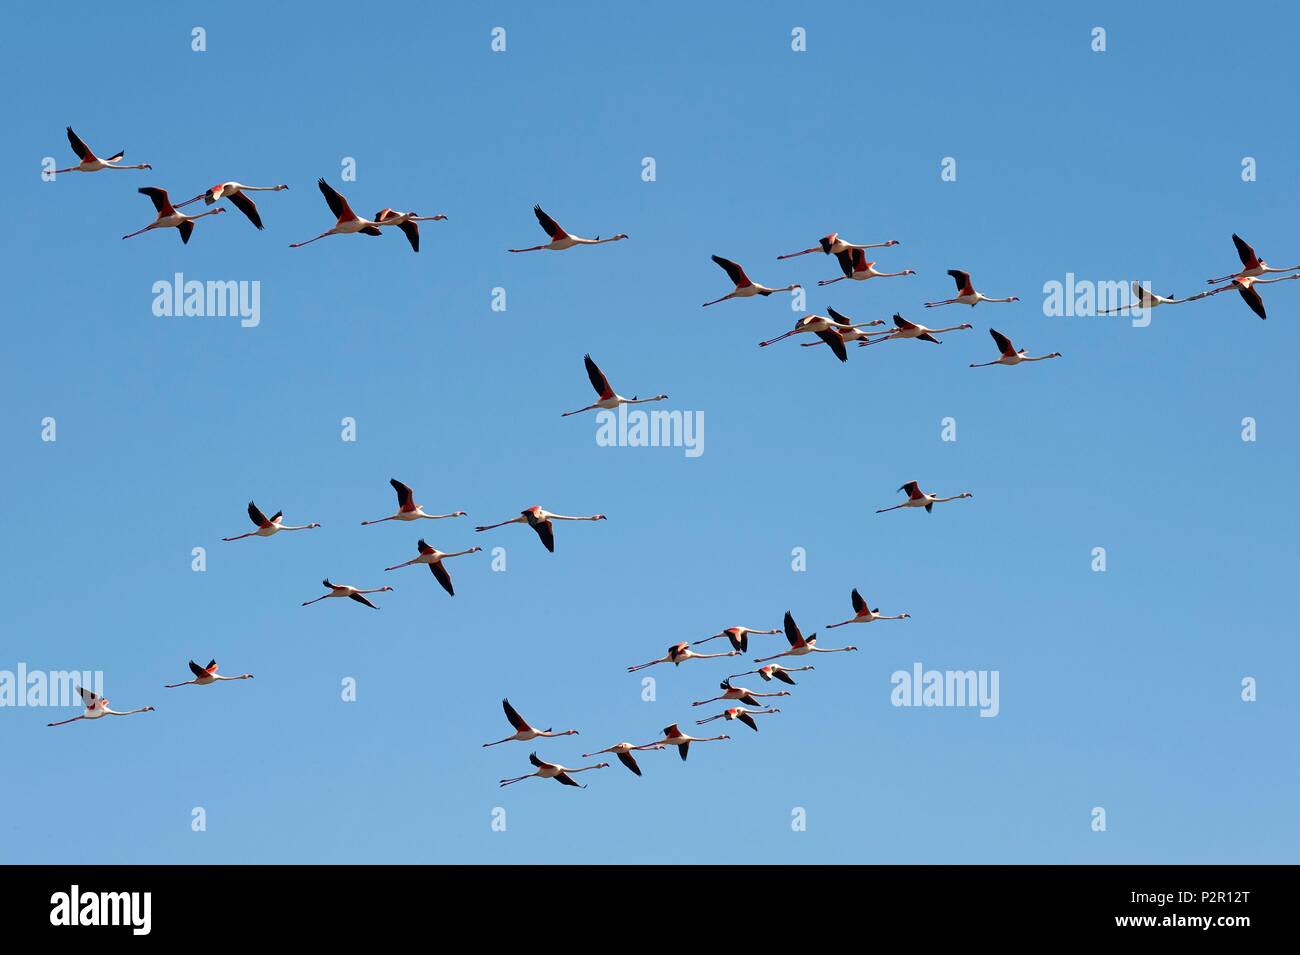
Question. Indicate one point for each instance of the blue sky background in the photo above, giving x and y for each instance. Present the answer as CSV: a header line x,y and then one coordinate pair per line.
x,y
1118,690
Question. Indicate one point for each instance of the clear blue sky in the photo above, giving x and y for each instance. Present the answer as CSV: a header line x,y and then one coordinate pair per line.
x,y
1118,690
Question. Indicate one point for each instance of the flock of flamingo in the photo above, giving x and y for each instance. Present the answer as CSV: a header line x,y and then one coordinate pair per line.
x,y
835,330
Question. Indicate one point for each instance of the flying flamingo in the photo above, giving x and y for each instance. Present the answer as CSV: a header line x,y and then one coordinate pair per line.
x,y
738,637
434,559
730,692
679,653
862,613
774,671
553,771
905,329
624,753
830,330
918,498
854,265
168,217
738,713
1010,355
966,294
609,399
524,731
344,590
833,245
846,330
407,509
798,645
744,287
206,676
406,221
540,521
92,163
673,736
97,707
1246,286
268,526
348,222
1251,264
1145,298
561,240
234,191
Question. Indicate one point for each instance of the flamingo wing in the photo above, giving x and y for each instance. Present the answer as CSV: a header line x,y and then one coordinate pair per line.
x,y
405,498
683,750
1003,343
783,677
159,197
550,225
517,721
422,547
903,323
859,605
748,721
412,232
197,670
440,574
627,760
186,229
256,516
1250,295
1245,252
672,732
912,488
792,633
598,379
89,697
540,764
836,342
837,317
566,779
361,599
963,281
845,259
81,149
546,531
247,207
734,272
338,205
